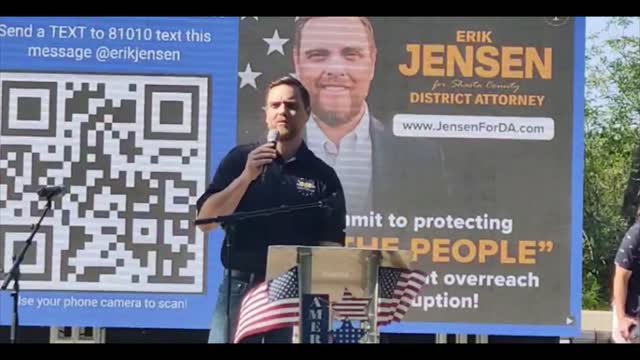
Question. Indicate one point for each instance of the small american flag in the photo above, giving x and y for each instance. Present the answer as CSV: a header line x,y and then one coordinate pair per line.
x,y
350,307
397,289
270,305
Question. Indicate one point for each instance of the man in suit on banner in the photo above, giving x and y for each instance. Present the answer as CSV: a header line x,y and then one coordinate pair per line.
x,y
335,59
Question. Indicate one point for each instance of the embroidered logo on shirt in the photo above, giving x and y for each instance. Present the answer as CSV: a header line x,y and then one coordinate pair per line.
x,y
305,187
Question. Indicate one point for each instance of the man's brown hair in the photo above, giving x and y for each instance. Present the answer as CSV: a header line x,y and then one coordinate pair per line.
x,y
291,81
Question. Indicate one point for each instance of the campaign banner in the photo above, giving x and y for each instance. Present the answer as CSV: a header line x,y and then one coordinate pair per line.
x,y
459,139
128,114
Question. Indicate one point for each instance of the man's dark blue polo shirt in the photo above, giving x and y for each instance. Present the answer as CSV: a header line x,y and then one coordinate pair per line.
x,y
302,179
628,257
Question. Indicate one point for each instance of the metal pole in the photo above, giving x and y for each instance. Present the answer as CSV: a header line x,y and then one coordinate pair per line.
x,y
304,285
373,264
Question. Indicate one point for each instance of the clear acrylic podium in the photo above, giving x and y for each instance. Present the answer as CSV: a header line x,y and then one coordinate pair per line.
x,y
328,271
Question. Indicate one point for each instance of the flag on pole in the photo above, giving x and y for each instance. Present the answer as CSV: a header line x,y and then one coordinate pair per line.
x,y
397,289
270,305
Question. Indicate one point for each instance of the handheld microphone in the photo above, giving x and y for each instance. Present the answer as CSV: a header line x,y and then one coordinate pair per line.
x,y
272,137
51,191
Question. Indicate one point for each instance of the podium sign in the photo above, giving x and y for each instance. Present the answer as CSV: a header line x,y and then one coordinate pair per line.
x,y
314,319
329,273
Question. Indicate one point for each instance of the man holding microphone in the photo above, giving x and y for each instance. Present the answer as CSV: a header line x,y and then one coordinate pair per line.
x,y
254,177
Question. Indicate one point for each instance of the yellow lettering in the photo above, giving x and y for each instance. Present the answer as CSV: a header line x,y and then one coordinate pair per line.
x,y
526,252
390,243
455,59
419,247
472,36
431,60
471,251
485,61
509,62
490,67
487,248
441,250
412,69
349,241
486,37
504,253
532,59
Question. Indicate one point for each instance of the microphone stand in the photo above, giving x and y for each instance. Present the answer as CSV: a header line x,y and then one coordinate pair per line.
x,y
229,223
14,274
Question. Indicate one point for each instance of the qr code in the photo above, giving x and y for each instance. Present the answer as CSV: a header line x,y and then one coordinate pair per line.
x,y
131,151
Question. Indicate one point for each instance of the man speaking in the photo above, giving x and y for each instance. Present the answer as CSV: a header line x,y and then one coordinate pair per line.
x,y
278,173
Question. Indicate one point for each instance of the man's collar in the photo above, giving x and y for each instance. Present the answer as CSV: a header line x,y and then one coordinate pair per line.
x,y
361,131
301,154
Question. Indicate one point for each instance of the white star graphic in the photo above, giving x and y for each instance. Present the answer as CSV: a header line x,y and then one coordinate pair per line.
x,y
255,17
248,77
275,43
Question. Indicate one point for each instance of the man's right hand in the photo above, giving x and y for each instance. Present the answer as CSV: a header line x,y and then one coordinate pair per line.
x,y
624,325
257,159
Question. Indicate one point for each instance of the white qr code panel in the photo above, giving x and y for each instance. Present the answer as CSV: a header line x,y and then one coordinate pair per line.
x,y
131,152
